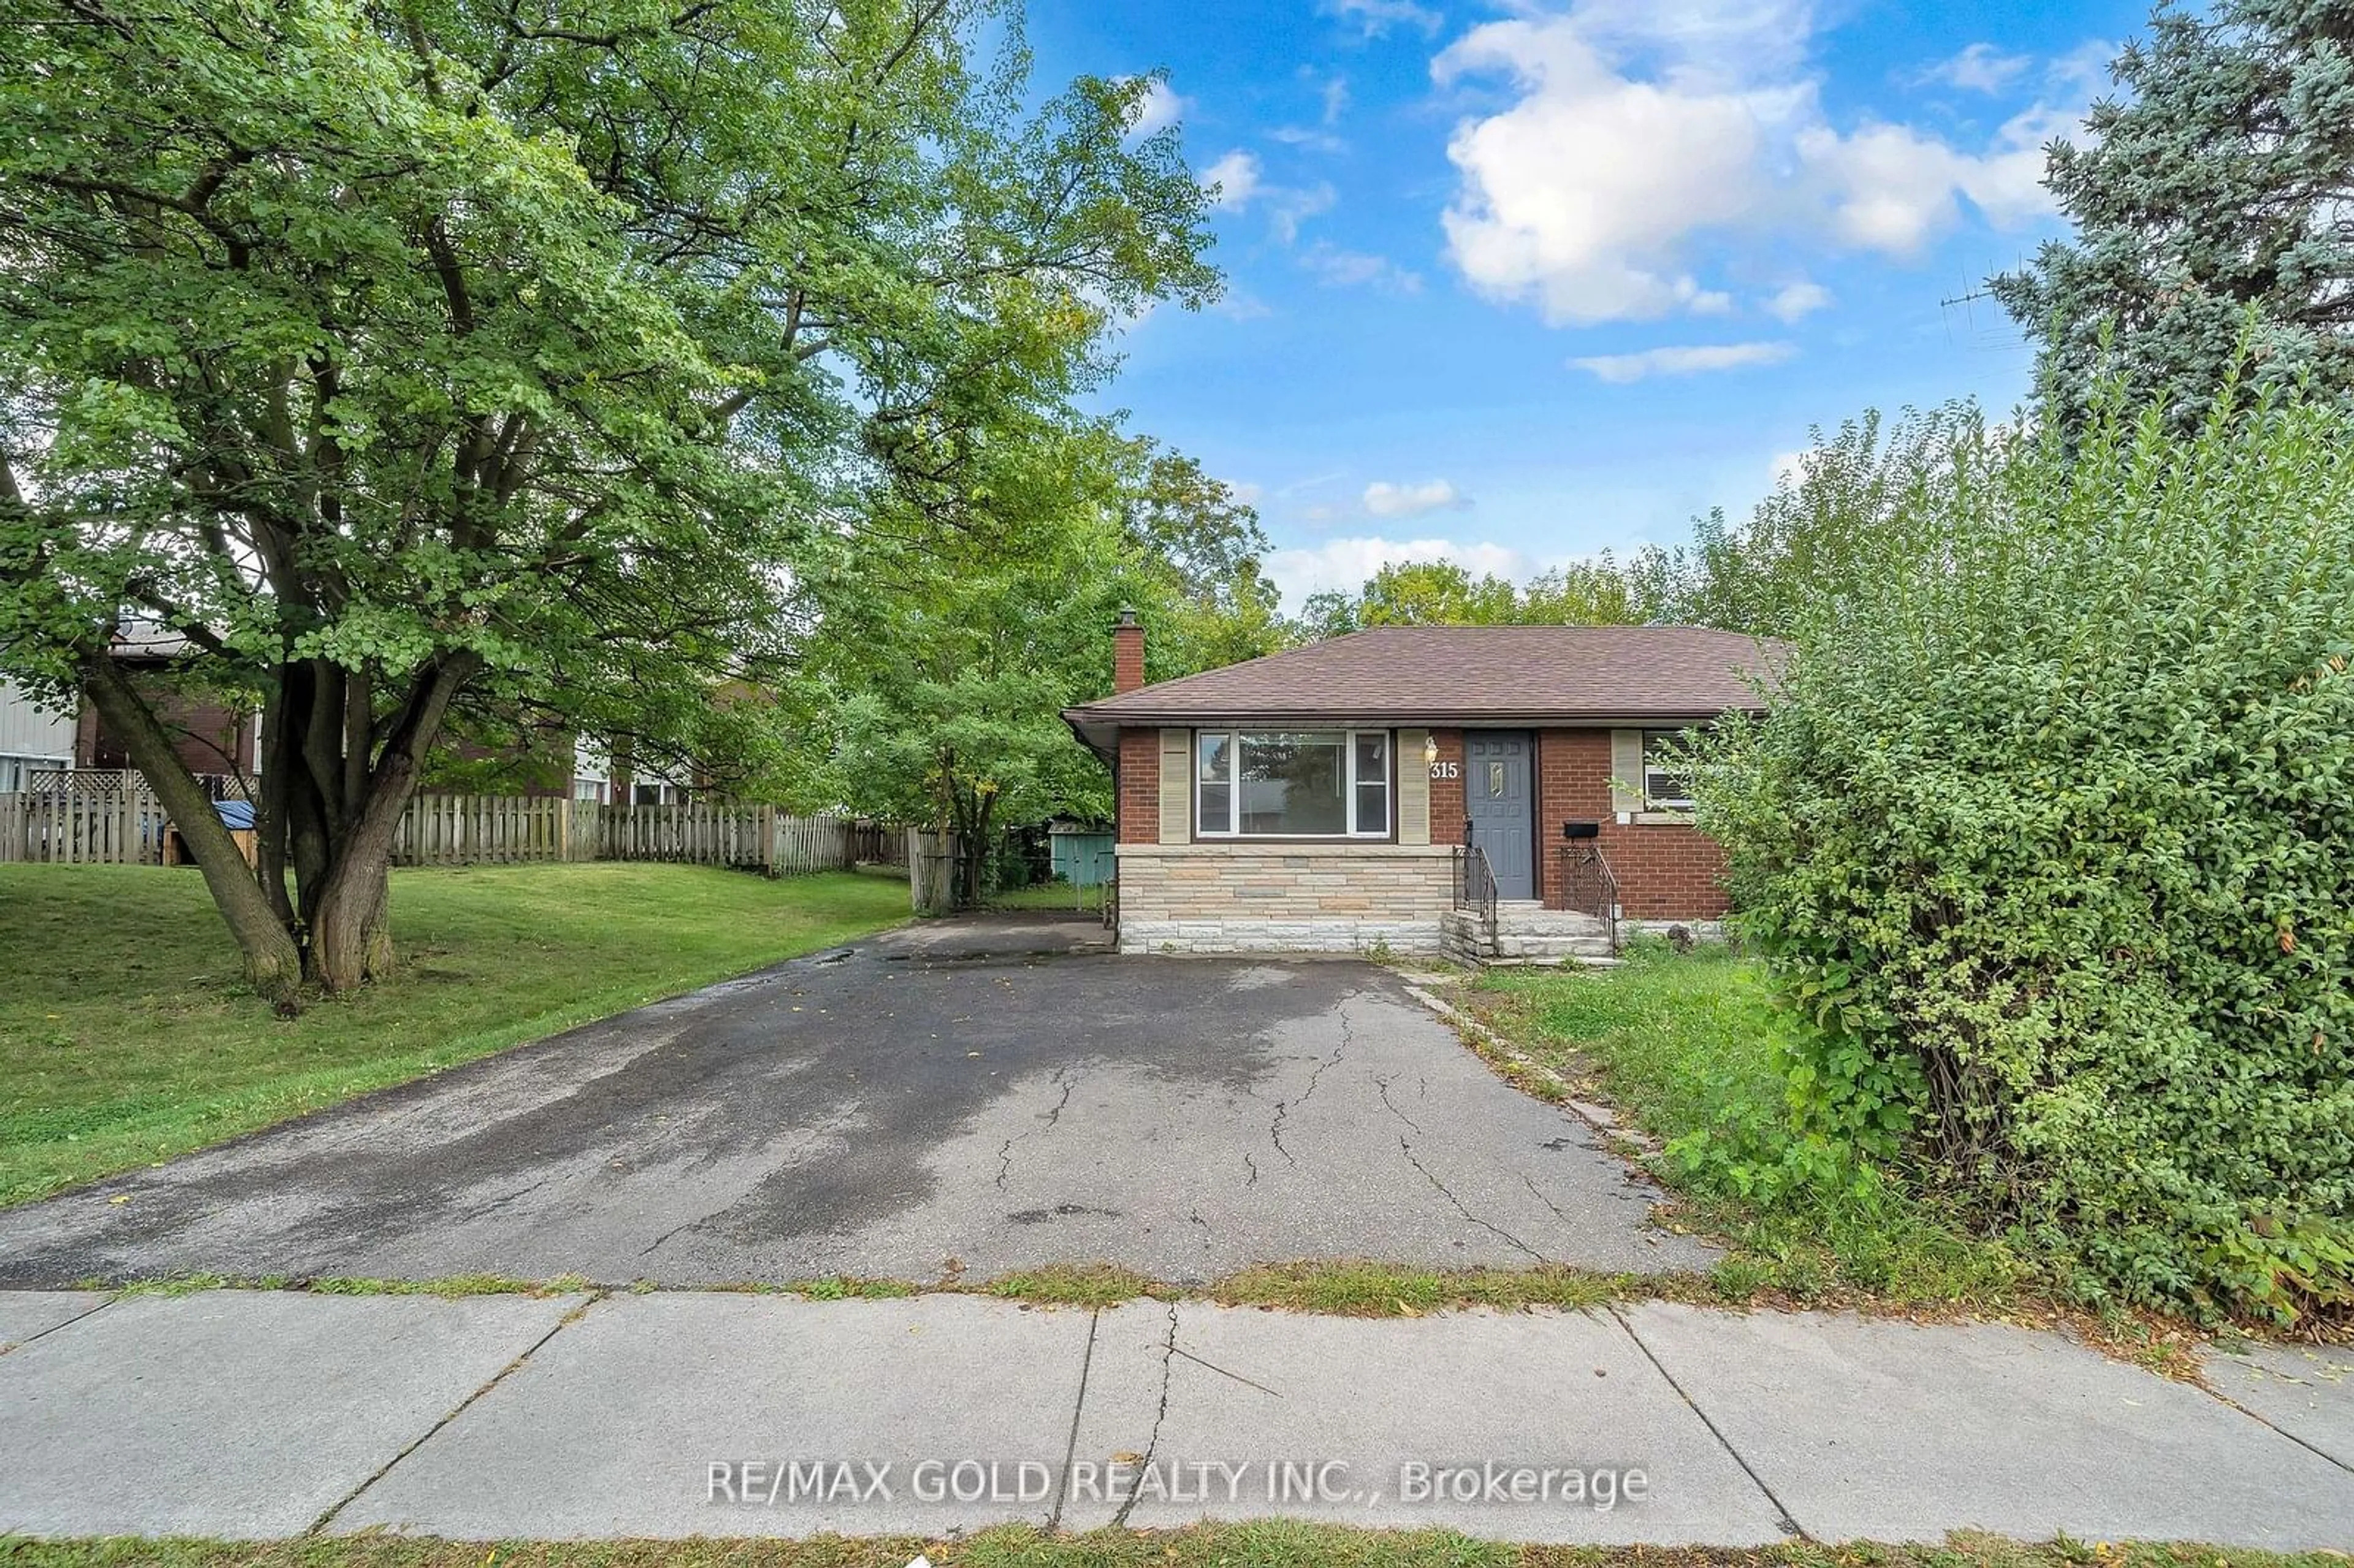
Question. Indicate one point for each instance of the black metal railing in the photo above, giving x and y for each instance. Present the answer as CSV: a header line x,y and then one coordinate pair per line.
x,y
1589,887
1475,882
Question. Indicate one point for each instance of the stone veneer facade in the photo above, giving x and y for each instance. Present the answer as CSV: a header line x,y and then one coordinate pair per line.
x,y
1295,897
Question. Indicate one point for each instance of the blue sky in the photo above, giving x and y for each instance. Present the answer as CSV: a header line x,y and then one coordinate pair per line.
x,y
1514,284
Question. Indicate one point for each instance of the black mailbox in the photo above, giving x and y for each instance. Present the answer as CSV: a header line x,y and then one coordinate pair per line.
x,y
1581,830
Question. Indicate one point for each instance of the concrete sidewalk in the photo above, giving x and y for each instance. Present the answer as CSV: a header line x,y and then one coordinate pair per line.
x,y
243,1414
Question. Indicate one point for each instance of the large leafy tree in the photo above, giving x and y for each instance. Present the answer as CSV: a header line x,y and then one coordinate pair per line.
x,y
2210,201
951,659
1828,524
409,355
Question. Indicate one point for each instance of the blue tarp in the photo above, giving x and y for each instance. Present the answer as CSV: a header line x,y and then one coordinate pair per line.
x,y
237,815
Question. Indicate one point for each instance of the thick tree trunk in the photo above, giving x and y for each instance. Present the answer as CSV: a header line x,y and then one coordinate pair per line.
x,y
350,936
273,965
350,931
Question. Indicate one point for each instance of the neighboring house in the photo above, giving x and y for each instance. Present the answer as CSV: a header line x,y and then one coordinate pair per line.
x,y
1321,799
33,740
212,739
598,776
592,772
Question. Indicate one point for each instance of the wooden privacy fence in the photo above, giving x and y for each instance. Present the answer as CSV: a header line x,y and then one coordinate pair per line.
x,y
487,830
126,827
82,827
462,830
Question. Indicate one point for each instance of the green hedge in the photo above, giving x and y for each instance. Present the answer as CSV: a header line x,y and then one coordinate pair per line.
x,y
2049,838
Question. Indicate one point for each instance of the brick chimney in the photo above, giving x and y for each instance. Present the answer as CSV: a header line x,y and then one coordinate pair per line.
x,y
1127,654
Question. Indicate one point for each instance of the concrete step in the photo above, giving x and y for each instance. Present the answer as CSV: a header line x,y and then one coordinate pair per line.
x,y
1525,932
1550,923
1509,945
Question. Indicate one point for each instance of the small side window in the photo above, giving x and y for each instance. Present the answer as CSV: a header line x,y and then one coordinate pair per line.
x,y
1667,782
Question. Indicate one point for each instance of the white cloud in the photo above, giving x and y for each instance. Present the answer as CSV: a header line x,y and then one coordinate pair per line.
x,y
1619,368
1981,68
1335,96
1383,499
1893,189
1234,179
1346,564
1239,182
1287,208
1374,18
1800,299
2085,68
1580,196
1160,106
1644,136
1356,268
1309,137
1788,467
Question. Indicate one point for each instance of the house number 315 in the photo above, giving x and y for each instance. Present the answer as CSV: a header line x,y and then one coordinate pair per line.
x,y
1447,770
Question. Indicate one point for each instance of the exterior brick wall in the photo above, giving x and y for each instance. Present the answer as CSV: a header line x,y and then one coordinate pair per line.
x,y
1279,898
1666,871
1446,794
1140,786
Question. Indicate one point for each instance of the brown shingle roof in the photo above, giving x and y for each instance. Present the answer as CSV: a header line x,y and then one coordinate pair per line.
x,y
1475,675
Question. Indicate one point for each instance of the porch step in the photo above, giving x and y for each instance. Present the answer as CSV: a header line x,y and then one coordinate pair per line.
x,y
1527,933
1537,920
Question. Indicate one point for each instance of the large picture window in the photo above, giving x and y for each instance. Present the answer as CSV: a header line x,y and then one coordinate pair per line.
x,y
1292,783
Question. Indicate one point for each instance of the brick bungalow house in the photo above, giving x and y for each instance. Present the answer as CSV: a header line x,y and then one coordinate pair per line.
x,y
1495,792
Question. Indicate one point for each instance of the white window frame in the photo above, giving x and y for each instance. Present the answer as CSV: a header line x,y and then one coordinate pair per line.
x,y
1349,738
1662,802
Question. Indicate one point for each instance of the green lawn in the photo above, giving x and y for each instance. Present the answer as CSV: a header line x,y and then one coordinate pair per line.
x,y
125,1037
1274,1543
1680,1044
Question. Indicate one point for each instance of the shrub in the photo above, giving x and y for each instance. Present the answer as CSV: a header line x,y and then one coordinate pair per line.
x,y
2049,841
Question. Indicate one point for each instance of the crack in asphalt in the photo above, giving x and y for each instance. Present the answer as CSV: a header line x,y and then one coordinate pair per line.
x,y
1383,1085
1068,1083
501,1201
1283,1109
1275,1131
1252,1166
1168,1357
682,1225
1548,1202
1499,1233
1196,1218
1068,1078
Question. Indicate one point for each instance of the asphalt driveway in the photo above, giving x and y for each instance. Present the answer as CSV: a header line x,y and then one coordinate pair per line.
x,y
970,1097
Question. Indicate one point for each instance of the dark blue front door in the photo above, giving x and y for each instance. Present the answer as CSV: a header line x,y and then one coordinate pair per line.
x,y
1496,798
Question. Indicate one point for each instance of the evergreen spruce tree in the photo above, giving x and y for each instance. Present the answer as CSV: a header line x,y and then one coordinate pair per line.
x,y
2213,199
